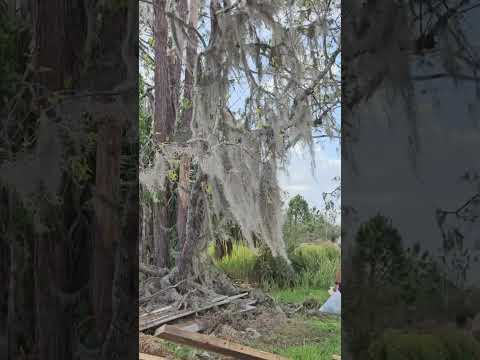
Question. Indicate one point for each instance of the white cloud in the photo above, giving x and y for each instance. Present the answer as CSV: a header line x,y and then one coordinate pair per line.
x,y
301,179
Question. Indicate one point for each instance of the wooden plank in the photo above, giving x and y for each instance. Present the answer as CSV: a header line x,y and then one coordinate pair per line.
x,y
210,343
194,326
142,356
156,311
168,318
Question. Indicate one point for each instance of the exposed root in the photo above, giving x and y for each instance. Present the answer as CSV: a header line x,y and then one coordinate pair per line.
x,y
189,293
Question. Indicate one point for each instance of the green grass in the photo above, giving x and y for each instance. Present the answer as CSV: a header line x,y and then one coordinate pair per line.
x,y
239,264
299,295
305,339
319,350
316,264
315,351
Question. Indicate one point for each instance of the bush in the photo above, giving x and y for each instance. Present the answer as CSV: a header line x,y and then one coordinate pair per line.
x,y
273,271
316,264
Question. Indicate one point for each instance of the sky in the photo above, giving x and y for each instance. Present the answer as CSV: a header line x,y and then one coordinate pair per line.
x,y
300,179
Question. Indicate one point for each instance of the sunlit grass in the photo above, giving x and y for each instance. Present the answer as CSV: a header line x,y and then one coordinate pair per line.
x,y
239,264
299,295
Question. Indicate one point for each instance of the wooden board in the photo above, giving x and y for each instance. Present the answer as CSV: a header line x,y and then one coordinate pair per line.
x,y
210,343
193,326
153,321
143,356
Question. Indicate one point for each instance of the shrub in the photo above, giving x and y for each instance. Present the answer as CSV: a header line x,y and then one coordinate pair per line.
x,y
272,271
316,264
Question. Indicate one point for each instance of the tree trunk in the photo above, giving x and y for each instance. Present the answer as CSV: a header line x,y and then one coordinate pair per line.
x,y
195,236
146,233
183,198
52,52
164,112
161,251
164,123
107,221
183,130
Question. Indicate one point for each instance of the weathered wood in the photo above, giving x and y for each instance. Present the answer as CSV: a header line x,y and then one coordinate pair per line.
x,y
142,356
194,326
210,343
157,311
163,319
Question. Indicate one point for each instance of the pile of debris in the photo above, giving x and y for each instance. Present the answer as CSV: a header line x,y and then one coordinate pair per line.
x,y
186,311
163,303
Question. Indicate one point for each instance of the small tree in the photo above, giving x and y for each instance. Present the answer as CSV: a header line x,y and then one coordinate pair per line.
x,y
298,210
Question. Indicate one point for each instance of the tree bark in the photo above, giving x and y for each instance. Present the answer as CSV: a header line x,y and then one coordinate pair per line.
x,y
164,124
164,115
161,243
52,54
107,221
183,198
146,233
183,130
194,228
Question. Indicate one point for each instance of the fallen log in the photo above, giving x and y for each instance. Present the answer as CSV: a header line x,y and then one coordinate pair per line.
x,y
210,343
163,319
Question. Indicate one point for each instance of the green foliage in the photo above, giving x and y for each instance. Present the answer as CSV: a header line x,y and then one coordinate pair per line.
x,y
316,264
298,295
319,351
298,210
185,104
379,252
305,224
270,270
80,168
441,344
408,279
12,58
239,265
383,261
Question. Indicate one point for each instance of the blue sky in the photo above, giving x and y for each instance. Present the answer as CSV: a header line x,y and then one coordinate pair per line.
x,y
300,179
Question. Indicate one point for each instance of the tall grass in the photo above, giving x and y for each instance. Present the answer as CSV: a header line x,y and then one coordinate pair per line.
x,y
315,265
239,265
